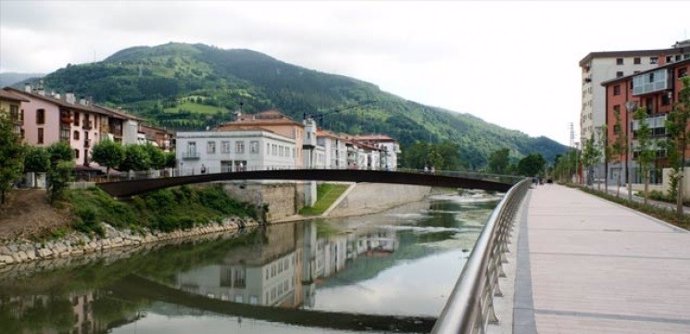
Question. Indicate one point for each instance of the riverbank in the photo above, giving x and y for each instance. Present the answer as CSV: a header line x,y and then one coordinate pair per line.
x,y
78,243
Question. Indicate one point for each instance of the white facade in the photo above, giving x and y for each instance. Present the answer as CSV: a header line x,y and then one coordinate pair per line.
x,y
389,155
593,111
130,132
335,152
226,151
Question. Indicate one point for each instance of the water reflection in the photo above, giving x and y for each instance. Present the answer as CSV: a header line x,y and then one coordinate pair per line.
x,y
390,271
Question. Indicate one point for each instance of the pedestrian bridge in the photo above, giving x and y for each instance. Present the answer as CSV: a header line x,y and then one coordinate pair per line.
x,y
439,179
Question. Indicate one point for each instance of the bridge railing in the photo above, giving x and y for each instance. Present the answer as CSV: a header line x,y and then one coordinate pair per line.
x,y
174,172
469,308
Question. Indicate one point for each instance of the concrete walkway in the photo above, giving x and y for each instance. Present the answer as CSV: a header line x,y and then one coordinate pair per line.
x,y
586,265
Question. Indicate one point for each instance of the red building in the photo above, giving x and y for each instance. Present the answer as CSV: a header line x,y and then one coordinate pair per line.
x,y
656,89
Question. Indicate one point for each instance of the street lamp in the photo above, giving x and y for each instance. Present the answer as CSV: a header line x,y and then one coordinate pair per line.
x,y
630,106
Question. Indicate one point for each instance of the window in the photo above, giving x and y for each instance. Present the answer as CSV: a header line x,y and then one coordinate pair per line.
x,y
225,146
21,132
293,152
76,154
682,72
637,61
254,147
64,133
239,147
619,61
666,99
76,118
211,147
274,149
14,112
669,59
191,148
268,148
653,60
21,116
40,116
40,135
281,151
619,74
76,135
617,90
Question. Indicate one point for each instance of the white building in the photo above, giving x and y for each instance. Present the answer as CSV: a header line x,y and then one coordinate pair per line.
x,y
598,67
389,149
335,150
226,151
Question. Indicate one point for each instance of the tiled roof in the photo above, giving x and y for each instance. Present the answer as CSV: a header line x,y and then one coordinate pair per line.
x,y
8,95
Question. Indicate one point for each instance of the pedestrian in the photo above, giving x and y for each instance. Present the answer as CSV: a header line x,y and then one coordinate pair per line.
x,y
203,169
426,169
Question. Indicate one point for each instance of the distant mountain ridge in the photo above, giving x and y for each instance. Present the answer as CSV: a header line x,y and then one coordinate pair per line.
x,y
192,86
11,78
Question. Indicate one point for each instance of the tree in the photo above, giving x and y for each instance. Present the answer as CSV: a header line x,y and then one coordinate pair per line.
x,y
646,151
170,160
109,154
499,161
677,128
11,155
37,160
590,156
156,156
61,168
531,165
619,147
59,176
136,158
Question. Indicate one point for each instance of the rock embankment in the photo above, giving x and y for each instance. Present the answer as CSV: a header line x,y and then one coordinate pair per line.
x,y
75,244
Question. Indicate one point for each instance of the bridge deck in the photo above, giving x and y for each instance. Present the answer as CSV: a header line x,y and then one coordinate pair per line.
x,y
597,267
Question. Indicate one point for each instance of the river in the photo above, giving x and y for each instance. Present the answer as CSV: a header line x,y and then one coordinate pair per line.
x,y
391,271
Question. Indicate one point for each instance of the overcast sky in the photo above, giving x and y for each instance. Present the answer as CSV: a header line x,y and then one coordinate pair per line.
x,y
514,63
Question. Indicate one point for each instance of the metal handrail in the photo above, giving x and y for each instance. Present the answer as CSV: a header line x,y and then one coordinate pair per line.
x,y
470,306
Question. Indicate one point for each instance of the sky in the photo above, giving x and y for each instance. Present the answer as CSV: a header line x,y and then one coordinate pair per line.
x,y
512,63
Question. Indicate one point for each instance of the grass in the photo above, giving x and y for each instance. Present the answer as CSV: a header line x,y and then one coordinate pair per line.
x,y
195,108
326,194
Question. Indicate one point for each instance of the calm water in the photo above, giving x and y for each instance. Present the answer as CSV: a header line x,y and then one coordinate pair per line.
x,y
386,272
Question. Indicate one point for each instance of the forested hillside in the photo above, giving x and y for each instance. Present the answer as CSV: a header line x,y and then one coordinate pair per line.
x,y
191,86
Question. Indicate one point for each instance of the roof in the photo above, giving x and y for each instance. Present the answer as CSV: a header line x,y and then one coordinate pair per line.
x,y
118,113
268,117
374,138
59,102
329,134
9,96
682,62
630,53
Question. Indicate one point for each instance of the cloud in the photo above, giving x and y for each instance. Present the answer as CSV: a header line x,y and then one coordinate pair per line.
x,y
511,63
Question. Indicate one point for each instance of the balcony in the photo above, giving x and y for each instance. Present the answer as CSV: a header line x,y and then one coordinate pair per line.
x,y
87,143
191,155
87,126
656,81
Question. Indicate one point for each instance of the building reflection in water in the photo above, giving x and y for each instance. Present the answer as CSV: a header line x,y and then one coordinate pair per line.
x,y
284,270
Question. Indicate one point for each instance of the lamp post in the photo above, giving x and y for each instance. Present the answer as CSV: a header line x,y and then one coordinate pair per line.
x,y
630,106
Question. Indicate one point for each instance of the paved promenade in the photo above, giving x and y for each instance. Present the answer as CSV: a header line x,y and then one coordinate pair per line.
x,y
586,265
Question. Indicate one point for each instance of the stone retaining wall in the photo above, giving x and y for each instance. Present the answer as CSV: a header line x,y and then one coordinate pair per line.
x,y
79,243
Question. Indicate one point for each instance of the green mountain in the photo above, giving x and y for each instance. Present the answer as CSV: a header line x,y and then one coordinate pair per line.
x,y
191,86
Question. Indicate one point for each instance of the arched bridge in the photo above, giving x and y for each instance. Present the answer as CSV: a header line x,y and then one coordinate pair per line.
x,y
455,180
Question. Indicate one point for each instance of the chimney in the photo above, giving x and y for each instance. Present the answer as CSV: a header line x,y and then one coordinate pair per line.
x,y
41,91
69,98
56,96
27,87
83,102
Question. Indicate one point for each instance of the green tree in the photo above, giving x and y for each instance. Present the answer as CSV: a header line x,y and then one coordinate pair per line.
x,y
590,156
531,165
109,154
61,168
677,128
499,161
170,160
645,147
11,155
37,160
156,156
136,158
619,147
